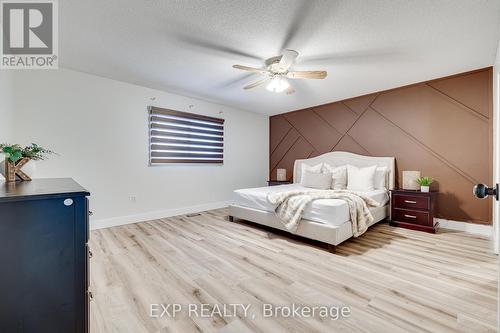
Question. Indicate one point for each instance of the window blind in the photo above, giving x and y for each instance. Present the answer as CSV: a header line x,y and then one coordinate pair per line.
x,y
182,137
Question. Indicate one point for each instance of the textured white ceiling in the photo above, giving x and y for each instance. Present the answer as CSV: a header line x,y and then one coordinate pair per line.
x,y
189,46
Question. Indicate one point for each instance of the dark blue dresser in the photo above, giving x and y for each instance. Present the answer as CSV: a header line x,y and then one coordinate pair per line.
x,y
44,257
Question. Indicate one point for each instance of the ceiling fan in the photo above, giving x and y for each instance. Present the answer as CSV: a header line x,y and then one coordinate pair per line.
x,y
277,72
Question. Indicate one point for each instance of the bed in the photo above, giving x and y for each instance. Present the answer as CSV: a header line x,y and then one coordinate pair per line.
x,y
325,220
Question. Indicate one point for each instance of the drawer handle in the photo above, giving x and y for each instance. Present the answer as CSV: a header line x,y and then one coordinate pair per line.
x,y
90,254
91,213
410,216
410,201
91,297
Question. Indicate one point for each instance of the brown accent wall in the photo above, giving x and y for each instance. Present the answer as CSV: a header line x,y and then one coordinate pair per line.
x,y
441,127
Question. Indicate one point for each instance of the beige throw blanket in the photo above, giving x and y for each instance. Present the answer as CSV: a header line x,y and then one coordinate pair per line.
x,y
291,206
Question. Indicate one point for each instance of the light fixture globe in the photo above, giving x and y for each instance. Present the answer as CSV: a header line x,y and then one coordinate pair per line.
x,y
277,84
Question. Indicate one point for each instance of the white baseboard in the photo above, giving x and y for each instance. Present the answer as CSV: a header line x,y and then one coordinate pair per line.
x,y
116,221
478,229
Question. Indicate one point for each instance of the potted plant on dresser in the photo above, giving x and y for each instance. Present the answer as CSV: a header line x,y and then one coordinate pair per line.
x,y
425,183
17,157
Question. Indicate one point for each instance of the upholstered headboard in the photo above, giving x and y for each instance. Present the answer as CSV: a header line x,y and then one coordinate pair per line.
x,y
338,158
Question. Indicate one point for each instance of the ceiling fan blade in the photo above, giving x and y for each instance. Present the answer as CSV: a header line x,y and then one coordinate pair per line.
x,y
306,75
250,69
290,90
243,77
258,83
287,59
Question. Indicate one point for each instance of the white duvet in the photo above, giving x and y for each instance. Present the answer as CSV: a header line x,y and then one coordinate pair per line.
x,y
328,211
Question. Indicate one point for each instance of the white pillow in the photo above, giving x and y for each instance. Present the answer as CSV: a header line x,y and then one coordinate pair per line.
x,y
320,181
361,179
309,168
339,175
380,180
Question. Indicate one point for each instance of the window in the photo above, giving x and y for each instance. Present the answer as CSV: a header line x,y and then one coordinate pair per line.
x,y
182,137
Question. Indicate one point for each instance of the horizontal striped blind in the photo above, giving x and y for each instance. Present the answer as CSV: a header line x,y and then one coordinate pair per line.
x,y
182,137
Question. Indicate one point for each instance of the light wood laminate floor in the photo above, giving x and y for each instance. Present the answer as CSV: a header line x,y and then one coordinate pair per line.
x,y
394,280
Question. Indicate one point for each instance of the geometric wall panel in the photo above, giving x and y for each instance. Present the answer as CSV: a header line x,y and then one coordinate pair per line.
x,y
300,149
427,116
441,127
390,140
279,127
314,130
288,141
349,144
360,104
337,115
471,90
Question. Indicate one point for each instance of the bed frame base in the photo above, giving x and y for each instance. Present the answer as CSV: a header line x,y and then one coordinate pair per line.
x,y
325,233
328,247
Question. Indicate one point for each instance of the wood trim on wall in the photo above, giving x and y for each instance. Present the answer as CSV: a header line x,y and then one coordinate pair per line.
x,y
442,127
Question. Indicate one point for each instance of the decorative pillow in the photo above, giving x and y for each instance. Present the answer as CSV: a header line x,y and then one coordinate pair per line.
x,y
380,180
339,175
310,168
320,181
361,179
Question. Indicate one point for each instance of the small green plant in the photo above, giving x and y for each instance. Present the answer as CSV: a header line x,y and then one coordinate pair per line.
x,y
15,152
425,181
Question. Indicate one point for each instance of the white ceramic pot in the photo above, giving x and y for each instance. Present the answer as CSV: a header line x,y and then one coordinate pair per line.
x,y
424,188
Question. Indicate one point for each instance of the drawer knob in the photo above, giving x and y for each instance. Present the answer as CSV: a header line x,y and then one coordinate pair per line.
x,y
91,213
90,254
91,297
410,216
410,201
68,202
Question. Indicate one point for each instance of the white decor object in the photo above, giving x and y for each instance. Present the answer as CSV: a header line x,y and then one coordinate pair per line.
x,y
320,181
346,158
339,175
278,84
311,168
380,179
361,179
410,180
424,188
281,175
29,168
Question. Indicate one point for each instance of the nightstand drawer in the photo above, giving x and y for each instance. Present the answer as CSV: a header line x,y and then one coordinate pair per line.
x,y
410,216
411,202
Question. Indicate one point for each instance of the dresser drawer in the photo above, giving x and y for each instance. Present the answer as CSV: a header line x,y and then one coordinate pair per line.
x,y
410,216
411,202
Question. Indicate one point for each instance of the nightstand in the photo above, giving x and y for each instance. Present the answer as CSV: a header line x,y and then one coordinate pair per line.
x,y
278,182
413,210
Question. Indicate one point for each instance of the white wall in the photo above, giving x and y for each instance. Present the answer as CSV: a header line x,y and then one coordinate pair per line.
x,y
100,129
6,106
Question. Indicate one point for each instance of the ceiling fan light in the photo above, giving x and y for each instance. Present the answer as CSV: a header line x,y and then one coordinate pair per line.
x,y
278,84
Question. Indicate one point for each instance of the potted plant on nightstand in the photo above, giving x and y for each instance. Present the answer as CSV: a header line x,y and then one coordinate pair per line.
x,y
424,183
16,157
